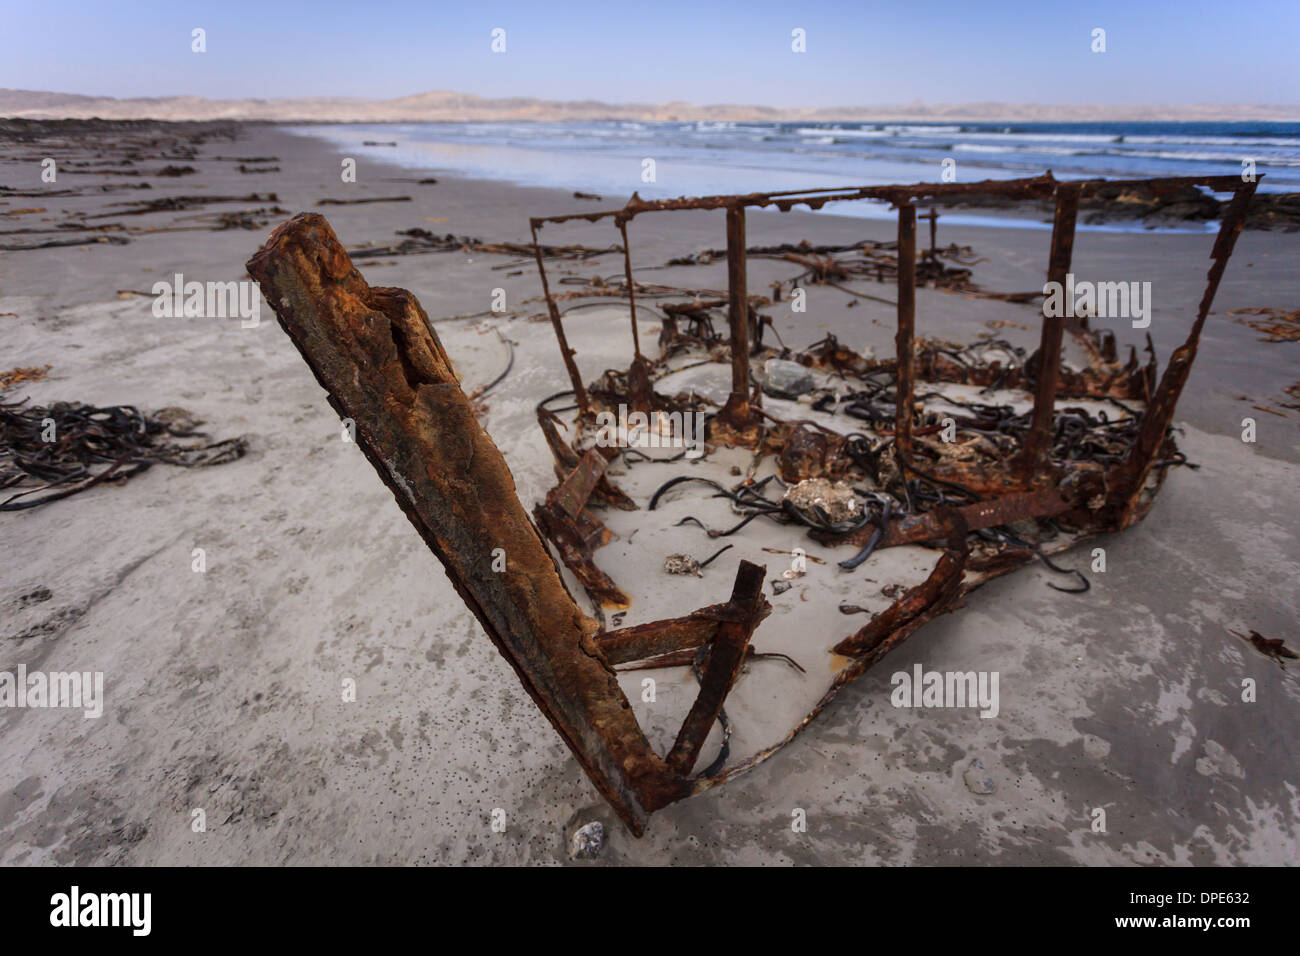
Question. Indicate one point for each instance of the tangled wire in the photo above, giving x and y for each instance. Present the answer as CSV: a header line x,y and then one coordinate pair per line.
x,y
58,451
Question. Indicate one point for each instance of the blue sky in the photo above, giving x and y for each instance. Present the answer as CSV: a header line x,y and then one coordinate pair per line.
x,y
1158,51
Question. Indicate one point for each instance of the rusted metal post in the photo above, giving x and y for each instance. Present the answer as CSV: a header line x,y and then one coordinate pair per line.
x,y
938,589
737,411
642,641
579,390
726,655
1034,453
933,216
931,525
576,533
631,290
382,366
906,399
1160,411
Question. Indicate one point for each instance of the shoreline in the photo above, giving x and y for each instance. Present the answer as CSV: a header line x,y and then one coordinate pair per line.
x,y
495,211
1190,211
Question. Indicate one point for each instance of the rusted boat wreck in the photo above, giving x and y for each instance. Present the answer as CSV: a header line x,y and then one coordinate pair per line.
x,y
939,468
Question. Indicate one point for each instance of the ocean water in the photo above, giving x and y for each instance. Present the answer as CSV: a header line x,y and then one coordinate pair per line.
x,y
693,159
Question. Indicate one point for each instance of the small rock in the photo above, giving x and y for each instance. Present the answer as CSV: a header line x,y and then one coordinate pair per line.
x,y
978,779
682,564
587,841
783,379
177,420
39,596
1096,747
779,586
1216,761
836,499
134,832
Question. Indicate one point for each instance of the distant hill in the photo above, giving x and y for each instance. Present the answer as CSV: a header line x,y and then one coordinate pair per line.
x,y
467,107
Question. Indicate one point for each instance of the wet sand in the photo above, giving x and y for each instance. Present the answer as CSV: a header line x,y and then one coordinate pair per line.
x,y
223,688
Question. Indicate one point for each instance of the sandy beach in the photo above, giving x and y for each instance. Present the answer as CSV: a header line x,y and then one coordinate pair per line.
x,y
222,688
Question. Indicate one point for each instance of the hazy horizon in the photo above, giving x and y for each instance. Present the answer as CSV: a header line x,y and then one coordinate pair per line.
x,y
1013,52
442,106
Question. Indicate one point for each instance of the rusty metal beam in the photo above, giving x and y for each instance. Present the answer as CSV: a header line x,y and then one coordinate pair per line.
x,y
932,525
566,459
1160,412
1025,188
906,358
572,493
1034,454
576,533
736,411
579,389
642,641
935,592
382,366
1218,184
1032,187
631,287
726,655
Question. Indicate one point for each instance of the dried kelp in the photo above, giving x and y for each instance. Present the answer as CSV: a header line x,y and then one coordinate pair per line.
x,y
56,451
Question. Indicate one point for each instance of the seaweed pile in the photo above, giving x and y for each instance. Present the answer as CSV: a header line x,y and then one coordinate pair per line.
x,y
56,451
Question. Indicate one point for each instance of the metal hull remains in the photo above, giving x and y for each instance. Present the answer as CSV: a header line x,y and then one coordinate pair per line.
x,y
944,466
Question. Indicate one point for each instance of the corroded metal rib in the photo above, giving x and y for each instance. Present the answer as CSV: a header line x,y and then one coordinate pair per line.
x,y
1033,459
906,357
726,654
381,364
383,367
1160,414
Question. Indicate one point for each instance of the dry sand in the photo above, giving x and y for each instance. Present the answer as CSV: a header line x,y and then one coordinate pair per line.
x,y
223,688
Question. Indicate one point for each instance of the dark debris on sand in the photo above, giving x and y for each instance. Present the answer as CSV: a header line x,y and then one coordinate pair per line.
x,y
56,451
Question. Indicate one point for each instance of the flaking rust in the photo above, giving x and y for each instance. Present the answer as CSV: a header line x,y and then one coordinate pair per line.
x,y
982,497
